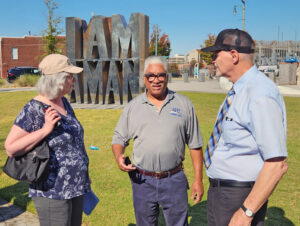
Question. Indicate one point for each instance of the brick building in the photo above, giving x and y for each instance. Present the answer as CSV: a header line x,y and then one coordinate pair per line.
x,y
20,51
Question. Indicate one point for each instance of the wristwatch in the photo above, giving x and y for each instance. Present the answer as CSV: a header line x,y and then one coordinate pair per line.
x,y
248,212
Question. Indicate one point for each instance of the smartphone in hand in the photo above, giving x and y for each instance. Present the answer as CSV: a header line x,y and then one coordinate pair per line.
x,y
127,161
45,107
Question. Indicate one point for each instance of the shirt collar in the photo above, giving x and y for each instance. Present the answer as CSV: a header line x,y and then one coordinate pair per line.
x,y
243,80
170,95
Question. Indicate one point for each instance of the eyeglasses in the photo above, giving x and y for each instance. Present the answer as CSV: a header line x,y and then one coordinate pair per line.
x,y
160,76
214,56
70,76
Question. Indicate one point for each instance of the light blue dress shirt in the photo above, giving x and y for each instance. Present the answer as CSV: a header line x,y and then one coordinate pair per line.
x,y
253,130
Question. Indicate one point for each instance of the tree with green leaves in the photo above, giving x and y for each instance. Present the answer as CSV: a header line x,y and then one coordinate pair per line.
x,y
52,43
207,56
163,43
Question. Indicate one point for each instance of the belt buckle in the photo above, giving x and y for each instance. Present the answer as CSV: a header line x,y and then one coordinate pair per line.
x,y
157,174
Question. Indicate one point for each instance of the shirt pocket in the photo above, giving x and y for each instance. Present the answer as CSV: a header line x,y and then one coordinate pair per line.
x,y
232,131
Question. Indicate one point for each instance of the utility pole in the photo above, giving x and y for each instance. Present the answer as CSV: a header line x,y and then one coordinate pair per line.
x,y
244,8
295,43
156,28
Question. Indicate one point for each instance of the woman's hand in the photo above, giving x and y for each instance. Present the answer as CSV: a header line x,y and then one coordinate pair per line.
x,y
51,118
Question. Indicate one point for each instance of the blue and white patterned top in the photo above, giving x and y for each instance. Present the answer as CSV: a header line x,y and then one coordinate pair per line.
x,y
68,177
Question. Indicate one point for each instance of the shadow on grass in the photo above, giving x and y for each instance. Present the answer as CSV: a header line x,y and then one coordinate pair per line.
x,y
275,216
197,214
18,195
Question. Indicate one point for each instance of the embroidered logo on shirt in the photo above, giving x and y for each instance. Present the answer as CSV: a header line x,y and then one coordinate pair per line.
x,y
176,112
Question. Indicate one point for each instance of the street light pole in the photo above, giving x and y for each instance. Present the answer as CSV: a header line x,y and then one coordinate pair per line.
x,y
156,27
244,9
243,1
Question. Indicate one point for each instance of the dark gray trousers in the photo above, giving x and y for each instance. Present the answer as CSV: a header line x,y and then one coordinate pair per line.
x,y
66,212
223,202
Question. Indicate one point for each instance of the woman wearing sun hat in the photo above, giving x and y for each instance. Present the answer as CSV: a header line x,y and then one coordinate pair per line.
x,y
49,115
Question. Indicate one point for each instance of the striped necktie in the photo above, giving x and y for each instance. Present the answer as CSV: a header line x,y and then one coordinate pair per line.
x,y
216,133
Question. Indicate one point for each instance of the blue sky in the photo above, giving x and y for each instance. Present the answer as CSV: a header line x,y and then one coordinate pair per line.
x,y
186,22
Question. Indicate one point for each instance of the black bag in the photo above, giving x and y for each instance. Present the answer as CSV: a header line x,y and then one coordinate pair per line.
x,y
31,167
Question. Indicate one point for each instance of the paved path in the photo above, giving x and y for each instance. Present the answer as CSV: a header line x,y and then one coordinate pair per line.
x,y
11,215
209,86
17,89
212,86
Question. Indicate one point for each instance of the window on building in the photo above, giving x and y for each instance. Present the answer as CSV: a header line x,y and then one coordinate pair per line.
x,y
14,53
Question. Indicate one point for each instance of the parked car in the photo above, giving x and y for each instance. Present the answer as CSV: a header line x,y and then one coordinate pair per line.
x,y
16,72
176,75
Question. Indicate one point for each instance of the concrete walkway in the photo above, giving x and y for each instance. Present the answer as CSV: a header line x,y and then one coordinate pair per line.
x,y
290,90
11,215
212,86
17,89
209,86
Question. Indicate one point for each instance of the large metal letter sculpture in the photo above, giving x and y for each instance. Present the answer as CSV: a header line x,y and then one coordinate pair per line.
x,y
112,54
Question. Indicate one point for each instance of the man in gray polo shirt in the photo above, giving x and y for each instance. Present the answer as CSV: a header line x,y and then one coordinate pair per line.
x,y
160,122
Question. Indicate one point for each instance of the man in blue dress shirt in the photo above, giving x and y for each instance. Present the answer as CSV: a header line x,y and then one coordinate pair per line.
x,y
246,155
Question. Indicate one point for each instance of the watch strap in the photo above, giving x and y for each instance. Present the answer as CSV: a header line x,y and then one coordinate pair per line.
x,y
243,207
248,212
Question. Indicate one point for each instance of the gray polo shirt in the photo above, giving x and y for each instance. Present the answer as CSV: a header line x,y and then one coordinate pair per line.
x,y
159,136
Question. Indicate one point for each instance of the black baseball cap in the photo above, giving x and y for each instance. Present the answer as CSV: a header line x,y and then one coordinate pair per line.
x,y
230,39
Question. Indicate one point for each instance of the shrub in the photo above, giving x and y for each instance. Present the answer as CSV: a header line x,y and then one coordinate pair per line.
x,y
3,82
27,80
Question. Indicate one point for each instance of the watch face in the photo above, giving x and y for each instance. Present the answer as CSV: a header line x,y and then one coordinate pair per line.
x,y
249,213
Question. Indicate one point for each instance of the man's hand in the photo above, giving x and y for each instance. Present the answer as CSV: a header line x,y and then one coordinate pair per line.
x,y
118,151
197,186
121,163
239,218
197,191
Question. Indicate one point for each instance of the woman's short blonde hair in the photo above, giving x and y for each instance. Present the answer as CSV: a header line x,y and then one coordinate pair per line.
x,y
51,85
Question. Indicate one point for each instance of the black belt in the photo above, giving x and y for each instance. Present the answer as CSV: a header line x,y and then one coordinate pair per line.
x,y
163,174
231,183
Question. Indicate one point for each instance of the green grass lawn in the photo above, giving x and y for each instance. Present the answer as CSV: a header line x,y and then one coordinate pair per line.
x,y
113,186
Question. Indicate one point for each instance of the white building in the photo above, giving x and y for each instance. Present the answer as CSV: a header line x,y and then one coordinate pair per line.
x,y
177,59
193,55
